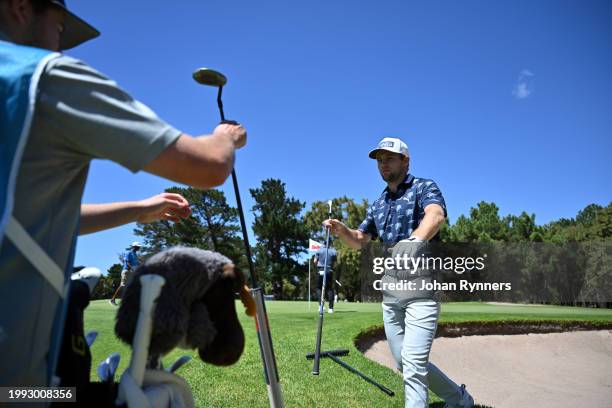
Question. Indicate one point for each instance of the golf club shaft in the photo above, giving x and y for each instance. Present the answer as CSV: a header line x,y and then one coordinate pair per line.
x,y
245,235
264,337
247,246
317,354
220,103
263,328
317,358
359,373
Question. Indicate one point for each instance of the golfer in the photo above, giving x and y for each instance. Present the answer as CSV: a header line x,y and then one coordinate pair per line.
x,y
130,263
328,275
68,114
408,213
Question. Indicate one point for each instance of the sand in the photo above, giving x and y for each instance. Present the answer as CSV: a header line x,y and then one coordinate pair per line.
x,y
557,370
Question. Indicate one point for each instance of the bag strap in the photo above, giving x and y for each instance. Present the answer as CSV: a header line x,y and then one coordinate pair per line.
x,y
34,253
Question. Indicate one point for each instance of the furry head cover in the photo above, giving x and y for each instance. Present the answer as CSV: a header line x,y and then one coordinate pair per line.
x,y
196,307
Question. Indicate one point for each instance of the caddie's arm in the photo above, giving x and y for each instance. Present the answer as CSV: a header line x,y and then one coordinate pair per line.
x,y
430,224
164,206
354,238
201,162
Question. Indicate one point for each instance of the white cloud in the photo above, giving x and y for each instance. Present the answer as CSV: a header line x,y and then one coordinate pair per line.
x,y
524,85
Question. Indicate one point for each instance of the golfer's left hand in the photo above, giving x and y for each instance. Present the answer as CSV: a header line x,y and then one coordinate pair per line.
x,y
164,206
412,247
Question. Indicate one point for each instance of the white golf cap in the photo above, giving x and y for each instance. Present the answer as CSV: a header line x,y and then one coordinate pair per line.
x,y
136,244
390,144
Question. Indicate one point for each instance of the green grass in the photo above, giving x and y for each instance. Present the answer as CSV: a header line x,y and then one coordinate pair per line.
x,y
294,329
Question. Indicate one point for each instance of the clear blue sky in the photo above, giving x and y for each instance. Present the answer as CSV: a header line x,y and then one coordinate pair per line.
x,y
508,102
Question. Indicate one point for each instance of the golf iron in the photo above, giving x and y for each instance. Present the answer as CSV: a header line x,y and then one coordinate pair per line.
x,y
216,79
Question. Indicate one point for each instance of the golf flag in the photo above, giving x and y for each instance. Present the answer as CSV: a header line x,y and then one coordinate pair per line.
x,y
313,246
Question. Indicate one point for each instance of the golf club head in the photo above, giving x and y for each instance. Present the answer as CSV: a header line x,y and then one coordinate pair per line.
x,y
209,77
91,337
113,363
103,371
181,361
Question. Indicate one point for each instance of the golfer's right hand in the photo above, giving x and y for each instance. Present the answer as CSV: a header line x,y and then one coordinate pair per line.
x,y
334,225
236,133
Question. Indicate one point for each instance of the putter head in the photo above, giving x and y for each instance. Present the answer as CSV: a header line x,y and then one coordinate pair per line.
x,y
210,77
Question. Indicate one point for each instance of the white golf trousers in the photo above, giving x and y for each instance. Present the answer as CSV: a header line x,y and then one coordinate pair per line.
x,y
410,326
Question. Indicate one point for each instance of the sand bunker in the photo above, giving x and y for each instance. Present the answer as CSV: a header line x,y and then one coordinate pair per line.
x,y
572,369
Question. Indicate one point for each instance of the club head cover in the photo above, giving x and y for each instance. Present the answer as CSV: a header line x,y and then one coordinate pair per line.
x,y
196,307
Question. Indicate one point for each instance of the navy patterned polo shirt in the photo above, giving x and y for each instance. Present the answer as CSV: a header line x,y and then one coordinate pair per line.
x,y
393,216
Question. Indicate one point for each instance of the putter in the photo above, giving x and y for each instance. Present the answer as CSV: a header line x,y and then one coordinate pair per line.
x,y
317,354
210,77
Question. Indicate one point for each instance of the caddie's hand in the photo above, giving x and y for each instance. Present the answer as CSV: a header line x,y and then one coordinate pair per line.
x,y
335,226
236,133
164,206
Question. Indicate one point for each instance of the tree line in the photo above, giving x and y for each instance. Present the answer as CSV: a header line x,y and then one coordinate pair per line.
x,y
282,226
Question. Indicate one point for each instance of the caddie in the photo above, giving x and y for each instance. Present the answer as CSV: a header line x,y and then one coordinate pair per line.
x,y
56,115
408,213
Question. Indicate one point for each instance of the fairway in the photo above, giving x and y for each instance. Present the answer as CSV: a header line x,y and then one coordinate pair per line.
x,y
293,328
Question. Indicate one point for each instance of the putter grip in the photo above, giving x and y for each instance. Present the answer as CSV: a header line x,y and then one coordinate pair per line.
x,y
229,122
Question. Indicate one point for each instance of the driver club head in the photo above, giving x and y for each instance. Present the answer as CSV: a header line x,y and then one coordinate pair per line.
x,y
210,77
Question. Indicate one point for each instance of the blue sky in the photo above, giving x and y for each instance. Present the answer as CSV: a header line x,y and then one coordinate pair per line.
x,y
499,101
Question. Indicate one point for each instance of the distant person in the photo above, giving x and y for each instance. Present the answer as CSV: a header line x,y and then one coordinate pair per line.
x,y
319,260
57,115
130,263
408,213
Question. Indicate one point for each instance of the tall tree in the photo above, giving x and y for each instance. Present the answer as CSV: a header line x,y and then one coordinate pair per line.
x,y
601,228
588,214
483,225
212,225
280,232
107,284
521,228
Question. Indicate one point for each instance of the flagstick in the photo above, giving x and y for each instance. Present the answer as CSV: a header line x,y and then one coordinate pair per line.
x,y
309,279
